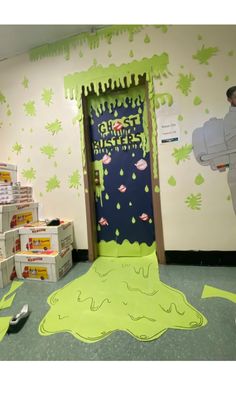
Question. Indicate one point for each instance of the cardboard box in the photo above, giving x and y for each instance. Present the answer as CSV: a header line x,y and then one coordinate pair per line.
x,y
48,266
7,271
8,174
15,215
44,237
9,243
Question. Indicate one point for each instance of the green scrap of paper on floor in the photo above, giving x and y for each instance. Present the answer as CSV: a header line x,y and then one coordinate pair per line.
x,y
4,324
209,292
8,299
122,294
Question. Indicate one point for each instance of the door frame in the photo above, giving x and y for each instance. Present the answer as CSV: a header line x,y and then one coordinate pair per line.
x,y
88,180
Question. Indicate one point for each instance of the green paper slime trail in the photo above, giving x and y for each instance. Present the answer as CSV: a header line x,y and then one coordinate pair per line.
x,y
123,294
4,324
209,292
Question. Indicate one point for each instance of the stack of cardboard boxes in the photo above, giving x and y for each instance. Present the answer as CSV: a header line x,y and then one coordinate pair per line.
x,y
29,249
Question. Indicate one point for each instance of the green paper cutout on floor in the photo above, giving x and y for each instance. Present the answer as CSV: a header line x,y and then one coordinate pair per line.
x,y
4,324
7,300
122,294
209,292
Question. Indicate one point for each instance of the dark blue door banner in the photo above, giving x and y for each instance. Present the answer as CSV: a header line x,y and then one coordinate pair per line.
x,y
122,178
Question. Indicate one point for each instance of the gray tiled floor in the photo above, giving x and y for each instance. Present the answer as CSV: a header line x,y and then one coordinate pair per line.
x,y
216,341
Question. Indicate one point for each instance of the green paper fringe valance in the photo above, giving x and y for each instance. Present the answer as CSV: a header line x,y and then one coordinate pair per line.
x,y
64,46
98,78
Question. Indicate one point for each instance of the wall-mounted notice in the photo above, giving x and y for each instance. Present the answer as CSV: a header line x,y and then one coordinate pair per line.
x,y
168,129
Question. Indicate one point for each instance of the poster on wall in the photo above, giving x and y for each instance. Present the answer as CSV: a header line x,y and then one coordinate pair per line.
x,y
168,129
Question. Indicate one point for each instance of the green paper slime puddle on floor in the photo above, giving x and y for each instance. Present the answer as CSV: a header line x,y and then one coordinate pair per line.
x,y
123,294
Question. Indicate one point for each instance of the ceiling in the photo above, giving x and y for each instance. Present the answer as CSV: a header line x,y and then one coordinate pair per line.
x,y
17,39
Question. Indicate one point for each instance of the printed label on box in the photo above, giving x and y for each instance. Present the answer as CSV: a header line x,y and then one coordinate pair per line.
x,y
17,246
64,268
23,218
66,242
36,272
5,177
39,243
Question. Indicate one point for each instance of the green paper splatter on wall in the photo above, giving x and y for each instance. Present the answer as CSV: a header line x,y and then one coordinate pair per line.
x,y
109,54
180,117
52,183
131,53
197,101
172,181
194,201
47,96
182,153
74,180
209,74
199,179
146,39
207,110
2,98
25,83
228,198
9,112
55,164
48,150
199,37
204,54
17,148
226,78
29,174
54,127
30,109
184,83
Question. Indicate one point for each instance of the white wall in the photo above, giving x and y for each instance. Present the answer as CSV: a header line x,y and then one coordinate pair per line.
x,y
213,227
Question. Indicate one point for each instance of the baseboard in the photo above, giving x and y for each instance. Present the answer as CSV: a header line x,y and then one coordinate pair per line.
x,y
79,255
182,257
201,257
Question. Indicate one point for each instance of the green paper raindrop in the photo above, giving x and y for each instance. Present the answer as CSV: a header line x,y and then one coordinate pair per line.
x,y
199,179
133,220
172,181
121,172
117,233
197,101
146,188
146,39
133,176
107,196
130,204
